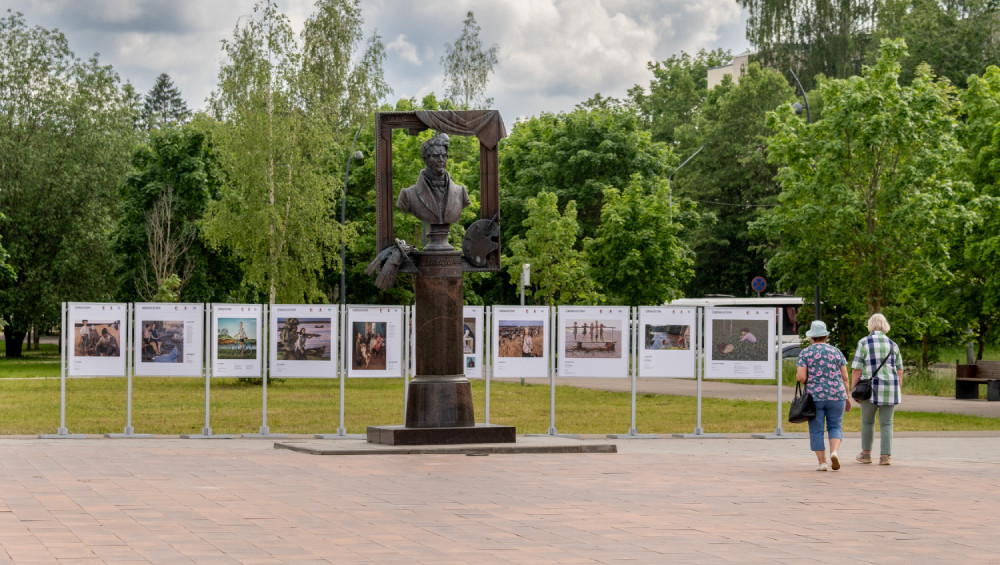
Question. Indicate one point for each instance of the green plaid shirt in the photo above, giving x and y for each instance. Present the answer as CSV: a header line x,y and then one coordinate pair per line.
x,y
872,349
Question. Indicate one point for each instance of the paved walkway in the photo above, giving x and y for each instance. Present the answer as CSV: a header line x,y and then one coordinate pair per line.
x,y
175,501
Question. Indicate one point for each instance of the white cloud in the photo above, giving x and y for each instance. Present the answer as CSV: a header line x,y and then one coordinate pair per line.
x,y
406,50
553,53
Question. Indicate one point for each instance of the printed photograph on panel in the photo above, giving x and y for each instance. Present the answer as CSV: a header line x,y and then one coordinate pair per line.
x,y
521,338
593,339
368,350
95,338
470,361
739,340
162,341
668,337
303,339
237,338
468,335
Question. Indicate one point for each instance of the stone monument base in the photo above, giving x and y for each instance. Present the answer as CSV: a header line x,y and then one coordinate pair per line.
x,y
440,402
479,433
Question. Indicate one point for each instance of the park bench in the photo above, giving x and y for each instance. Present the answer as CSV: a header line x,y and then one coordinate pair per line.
x,y
969,377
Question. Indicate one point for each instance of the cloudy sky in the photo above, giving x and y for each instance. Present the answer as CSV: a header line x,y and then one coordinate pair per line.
x,y
553,53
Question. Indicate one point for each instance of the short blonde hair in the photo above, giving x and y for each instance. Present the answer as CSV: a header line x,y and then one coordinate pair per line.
x,y
878,323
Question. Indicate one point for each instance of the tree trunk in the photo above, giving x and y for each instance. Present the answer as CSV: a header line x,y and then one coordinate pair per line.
x,y
924,361
14,341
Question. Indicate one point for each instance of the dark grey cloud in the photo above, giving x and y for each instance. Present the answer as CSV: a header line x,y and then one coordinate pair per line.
x,y
553,53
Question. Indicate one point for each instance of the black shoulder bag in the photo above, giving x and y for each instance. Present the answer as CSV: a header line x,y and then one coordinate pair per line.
x,y
803,407
863,390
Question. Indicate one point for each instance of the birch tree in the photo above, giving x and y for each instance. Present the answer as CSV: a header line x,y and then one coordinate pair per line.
x,y
282,126
467,66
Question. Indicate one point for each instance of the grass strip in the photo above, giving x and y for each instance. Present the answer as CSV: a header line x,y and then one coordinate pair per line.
x,y
174,406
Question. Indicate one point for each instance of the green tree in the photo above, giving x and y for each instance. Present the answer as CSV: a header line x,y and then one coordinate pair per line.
x,y
576,156
7,273
281,121
828,37
548,246
163,105
638,256
341,83
467,66
174,176
66,132
957,38
869,195
973,295
730,179
678,88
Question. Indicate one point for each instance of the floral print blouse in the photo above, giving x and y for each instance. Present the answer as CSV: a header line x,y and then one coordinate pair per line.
x,y
823,364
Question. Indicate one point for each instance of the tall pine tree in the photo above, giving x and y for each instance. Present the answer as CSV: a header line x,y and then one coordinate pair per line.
x,y
163,105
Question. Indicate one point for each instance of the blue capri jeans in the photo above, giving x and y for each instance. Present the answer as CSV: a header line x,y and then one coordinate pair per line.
x,y
832,413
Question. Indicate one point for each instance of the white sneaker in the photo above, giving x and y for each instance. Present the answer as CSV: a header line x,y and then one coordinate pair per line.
x,y
822,467
834,461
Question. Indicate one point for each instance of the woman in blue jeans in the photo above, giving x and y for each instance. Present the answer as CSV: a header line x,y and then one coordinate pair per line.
x,y
823,368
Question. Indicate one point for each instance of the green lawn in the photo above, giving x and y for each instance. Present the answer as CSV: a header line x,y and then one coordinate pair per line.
x,y
30,405
174,406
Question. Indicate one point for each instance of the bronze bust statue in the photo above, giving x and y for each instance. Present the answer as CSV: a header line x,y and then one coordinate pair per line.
x,y
435,199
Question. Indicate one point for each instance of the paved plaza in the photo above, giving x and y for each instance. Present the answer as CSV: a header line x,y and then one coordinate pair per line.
x,y
669,500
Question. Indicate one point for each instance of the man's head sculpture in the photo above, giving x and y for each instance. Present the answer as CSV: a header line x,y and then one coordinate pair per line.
x,y
435,199
432,151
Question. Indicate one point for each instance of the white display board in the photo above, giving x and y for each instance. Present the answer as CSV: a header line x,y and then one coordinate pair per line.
x,y
236,333
169,339
739,343
472,341
593,341
96,332
303,340
375,341
520,334
666,341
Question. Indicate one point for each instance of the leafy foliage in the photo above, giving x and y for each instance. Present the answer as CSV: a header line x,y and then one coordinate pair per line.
x,y
65,136
869,194
548,246
678,88
576,156
638,257
957,38
828,37
973,296
178,166
281,114
730,179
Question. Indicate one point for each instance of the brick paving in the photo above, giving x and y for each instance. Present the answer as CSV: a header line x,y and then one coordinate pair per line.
x,y
731,500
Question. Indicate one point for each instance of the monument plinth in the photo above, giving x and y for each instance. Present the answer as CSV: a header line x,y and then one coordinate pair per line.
x,y
439,395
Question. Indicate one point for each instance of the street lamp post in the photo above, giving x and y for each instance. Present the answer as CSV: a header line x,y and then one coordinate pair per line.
x,y
798,110
670,188
353,156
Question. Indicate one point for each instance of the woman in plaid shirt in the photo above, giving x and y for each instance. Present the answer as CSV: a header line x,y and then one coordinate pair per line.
x,y
886,387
